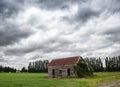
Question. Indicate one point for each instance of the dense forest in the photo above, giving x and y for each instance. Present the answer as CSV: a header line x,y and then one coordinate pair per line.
x,y
111,64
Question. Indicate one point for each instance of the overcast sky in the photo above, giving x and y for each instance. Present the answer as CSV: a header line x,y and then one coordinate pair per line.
x,y
47,29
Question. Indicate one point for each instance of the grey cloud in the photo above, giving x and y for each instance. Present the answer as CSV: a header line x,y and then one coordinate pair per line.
x,y
20,51
112,34
114,38
57,4
54,4
113,31
115,53
107,6
58,44
10,7
85,14
112,6
87,10
53,44
116,7
2,59
25,50
10,34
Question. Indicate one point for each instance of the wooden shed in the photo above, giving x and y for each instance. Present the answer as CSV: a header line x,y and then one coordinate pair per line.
x,y
63,67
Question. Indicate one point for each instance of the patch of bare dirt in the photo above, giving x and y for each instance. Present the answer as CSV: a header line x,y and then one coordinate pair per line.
x,y
111,84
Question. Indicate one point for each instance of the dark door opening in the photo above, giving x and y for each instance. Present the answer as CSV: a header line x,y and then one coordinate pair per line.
x,y
53,72
68,72
60,72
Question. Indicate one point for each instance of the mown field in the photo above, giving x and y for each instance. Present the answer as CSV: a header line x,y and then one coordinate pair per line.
x,y
42,80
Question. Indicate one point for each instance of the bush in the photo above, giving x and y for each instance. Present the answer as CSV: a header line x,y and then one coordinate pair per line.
x,y
83,69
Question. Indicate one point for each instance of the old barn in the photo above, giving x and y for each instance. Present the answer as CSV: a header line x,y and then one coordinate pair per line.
x,y
63,67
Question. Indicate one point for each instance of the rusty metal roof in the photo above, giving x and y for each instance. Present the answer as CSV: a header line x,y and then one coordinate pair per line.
x,y
65,61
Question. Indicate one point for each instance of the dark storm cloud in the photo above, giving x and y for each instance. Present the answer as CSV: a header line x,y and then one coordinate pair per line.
x,y
10,34
110,5
55,4
87,10
10,7
22,51
113,31
85,14
112,34
51,45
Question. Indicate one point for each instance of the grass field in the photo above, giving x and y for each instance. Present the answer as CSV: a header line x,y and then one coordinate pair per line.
x,y
42,80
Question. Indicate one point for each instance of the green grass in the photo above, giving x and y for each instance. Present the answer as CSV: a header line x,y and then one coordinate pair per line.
x,y
42,80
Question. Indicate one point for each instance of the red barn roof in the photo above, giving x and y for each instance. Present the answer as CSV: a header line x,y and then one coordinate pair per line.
x,y
64,61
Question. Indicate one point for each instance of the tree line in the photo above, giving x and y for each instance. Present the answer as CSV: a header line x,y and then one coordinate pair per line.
x,y
35,66
38,66
95,63
7,69
111,64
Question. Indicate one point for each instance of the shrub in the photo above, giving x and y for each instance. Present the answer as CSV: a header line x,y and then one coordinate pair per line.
x,y
83,69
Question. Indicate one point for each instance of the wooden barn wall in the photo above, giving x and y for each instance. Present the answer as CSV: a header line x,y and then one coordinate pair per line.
x,y
63,68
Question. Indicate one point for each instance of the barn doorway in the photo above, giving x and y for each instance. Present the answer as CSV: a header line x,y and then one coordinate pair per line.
x,y
60,72
68,72
53,72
